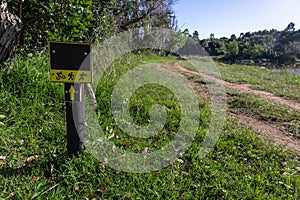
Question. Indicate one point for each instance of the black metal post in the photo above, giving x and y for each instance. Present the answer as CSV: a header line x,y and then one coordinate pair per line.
x,y
74,98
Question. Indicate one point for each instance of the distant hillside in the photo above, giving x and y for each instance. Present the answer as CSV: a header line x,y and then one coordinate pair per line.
x,y
267,47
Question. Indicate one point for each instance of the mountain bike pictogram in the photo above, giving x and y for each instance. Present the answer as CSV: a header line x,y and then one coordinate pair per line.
x,y
60,75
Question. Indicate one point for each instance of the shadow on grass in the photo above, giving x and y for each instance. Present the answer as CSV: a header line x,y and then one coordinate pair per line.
x,y
45,165
7,172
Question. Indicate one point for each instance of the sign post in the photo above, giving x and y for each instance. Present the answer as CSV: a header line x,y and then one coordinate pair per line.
x,y
70,64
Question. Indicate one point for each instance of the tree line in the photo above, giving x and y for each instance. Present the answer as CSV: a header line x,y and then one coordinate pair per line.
x,y
95,20
261,47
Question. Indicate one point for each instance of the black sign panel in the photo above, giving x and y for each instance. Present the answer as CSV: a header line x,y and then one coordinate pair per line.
x,y
69,56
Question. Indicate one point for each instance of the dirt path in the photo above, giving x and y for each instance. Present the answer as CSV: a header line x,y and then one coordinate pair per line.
x,y
241,88
269,131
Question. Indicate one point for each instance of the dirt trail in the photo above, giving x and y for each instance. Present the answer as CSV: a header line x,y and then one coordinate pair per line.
x,y
241,88
269,131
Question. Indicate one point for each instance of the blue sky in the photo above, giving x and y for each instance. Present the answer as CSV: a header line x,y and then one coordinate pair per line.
x,y
227,17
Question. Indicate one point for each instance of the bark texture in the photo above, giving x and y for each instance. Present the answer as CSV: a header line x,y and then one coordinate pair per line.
x,y
10,28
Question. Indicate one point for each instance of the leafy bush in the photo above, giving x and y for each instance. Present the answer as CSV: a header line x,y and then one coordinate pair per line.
x,y
66,20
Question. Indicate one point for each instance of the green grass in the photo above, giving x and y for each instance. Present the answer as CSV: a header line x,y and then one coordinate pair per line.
x,y
279,83
34,162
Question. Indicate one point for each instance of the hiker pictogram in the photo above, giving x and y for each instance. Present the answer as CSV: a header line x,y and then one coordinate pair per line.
x,y
71,76
82,75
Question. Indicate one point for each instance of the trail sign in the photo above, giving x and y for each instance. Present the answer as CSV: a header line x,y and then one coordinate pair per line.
x,y
70,62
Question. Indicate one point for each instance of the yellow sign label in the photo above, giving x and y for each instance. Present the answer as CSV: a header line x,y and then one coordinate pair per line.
x,y
70,76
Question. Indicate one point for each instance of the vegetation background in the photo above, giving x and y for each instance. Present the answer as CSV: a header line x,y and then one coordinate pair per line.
x,y
33,156
95,20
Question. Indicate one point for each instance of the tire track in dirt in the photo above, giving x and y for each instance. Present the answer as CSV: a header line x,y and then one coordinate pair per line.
x,y
269,131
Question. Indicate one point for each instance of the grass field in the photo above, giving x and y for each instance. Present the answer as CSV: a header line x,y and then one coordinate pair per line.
x,y
34,162
280,83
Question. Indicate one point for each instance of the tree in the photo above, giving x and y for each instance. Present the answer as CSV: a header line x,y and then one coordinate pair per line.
x,y
221,46
233,37
248,34
279,47
186,33
89,20
290,27
143,13
196,36
232,49
254,51
211,36
10,28
241,35
66,20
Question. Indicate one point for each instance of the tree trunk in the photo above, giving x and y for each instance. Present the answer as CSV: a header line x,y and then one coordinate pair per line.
x,y
10,27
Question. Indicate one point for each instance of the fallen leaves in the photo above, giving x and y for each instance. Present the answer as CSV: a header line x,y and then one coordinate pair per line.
x,y
102,189
145,150
176,166
21,142
99,192
283,164
31,159
95,196
3,158
11,195
184,173
34,179
76,187
125,144
26,196
155,174
3,163
101,166
53,179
